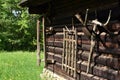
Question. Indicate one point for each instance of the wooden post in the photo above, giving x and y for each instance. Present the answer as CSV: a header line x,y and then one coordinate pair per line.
x,y
64,48
72,55
44,40
91,48
38,43
118,68
75,55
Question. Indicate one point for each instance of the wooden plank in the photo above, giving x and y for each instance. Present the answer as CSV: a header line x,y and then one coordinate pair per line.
x,y
69,67
55,37
92,47
85,76
50,61
69,40
66,58
84,47
59,28
103,59
119,68
57,70
100,71
115,51
70,52
55,43
55,50
75,57
55,57
68,49
82,39
72,56
80,43
110,51
63,54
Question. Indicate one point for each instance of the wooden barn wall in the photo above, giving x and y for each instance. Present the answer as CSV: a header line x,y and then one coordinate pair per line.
x,y
105,63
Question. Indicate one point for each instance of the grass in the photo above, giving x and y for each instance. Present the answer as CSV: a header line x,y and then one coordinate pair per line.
x,y
19,65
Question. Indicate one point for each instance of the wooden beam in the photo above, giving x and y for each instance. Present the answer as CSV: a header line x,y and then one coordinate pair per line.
x,y
50,61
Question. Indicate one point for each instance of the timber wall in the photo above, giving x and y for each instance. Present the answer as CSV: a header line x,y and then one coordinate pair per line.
x,y
105,63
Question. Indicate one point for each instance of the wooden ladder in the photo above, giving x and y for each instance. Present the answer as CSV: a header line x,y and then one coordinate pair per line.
x,y
69,52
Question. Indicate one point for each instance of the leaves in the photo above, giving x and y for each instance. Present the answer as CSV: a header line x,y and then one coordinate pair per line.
x,y
17,27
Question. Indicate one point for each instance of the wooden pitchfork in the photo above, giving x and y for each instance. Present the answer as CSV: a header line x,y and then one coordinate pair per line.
x,y
92,35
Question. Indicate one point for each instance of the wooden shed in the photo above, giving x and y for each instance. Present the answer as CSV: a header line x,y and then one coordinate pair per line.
x,y
82,37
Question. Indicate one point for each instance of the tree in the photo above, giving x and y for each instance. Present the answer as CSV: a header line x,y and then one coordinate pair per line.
x,y
17,27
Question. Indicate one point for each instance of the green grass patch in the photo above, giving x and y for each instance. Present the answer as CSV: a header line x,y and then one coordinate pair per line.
x,y
19,65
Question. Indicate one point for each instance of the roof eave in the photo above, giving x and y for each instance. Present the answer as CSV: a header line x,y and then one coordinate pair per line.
x,y
23,3
27,3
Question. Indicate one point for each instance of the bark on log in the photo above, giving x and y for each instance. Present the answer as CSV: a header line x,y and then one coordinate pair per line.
x,y
103,59
99,70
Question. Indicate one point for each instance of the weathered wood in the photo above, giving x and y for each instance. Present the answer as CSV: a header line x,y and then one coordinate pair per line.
x,y
38,43
69,54
104,67
66,51
80,43
105,73
75,54
72,55
119,68
92,47
55,37
103,59
82,39
50,61
85,76
55,43
100,71
55,50
57,70
70,51
85,47
55,57
63,54
59,28
69,67
112,51
44,40
98,59
96,69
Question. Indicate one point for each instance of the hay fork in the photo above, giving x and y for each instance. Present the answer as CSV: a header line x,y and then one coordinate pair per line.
x,y
95,23
92,35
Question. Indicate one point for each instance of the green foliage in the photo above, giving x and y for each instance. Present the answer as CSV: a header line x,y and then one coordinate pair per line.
x,y
17,27
19,65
